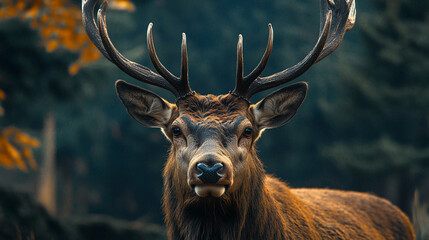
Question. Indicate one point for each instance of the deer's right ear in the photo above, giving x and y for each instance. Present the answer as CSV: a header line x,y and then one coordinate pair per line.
x,y
144,106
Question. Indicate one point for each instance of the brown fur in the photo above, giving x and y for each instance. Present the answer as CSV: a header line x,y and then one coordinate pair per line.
x,y
221,108
264,207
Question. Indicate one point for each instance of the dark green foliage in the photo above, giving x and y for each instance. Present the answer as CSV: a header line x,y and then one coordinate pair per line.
x,y
106,228
22,218
385,130
27,73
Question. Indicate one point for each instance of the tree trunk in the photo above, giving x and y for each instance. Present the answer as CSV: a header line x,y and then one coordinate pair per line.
x,y
47,183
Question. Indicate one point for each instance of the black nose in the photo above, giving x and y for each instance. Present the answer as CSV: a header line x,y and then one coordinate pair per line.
x,y
209,174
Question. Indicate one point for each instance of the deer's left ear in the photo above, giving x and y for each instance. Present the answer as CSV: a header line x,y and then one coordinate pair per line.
x,y
144,106
280,106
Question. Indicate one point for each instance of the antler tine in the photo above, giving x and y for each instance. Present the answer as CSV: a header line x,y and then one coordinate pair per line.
x,y
243,83
99,36
264,60
289,74
91,27
131,68
336,19
240,68
184,67
155,60
181,84
184,76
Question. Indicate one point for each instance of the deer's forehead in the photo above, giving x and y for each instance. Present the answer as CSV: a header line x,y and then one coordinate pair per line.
x,y
211,108
212,123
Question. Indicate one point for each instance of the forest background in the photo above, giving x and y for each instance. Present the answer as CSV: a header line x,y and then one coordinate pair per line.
x,y
364,125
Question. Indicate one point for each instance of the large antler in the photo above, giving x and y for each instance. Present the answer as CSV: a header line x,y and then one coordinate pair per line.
x,y
179,86
335,18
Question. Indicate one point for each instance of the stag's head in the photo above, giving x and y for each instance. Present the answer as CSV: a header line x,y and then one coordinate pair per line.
x,y
213,137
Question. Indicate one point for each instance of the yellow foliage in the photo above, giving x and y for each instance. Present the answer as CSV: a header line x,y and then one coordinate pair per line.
x,y
2,97
24,140
74,68
60,25
52,45
15,147
122,5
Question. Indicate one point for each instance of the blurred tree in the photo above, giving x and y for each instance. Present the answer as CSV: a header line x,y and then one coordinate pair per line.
x,y
59,25
39,83
383,139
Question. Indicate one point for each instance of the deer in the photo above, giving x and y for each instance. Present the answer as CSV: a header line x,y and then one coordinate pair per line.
x,y
215,186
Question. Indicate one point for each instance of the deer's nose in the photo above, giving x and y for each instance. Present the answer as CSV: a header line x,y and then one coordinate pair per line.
x,y
210,174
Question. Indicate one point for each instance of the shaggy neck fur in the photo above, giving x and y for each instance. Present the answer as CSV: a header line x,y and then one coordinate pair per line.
x,y
252,212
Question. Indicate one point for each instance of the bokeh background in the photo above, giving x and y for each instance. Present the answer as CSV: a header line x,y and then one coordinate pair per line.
x,y
75,161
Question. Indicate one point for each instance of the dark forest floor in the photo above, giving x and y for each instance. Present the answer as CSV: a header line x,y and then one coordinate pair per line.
x,y
22,218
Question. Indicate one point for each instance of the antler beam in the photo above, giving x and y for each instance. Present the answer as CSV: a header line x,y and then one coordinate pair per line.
x,y
336,19
99,36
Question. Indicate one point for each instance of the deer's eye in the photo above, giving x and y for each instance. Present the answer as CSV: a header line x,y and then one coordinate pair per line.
x,y
176,131
248,132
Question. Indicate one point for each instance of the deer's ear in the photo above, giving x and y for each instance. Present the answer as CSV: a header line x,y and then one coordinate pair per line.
x,y
280,106
144,106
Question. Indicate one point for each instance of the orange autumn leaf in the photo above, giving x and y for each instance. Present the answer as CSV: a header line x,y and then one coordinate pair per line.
x,y
6,161
69,43
32,12
19,163
32,162
90,54
122,5
74,68
2,95
25,140
12,154
10,150
46,32
28,154
44,18
10,12
34,23
51,45
34,143
80,39
20,5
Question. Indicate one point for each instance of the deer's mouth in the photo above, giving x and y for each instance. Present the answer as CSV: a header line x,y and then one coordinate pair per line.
x,y
210,177
213,190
